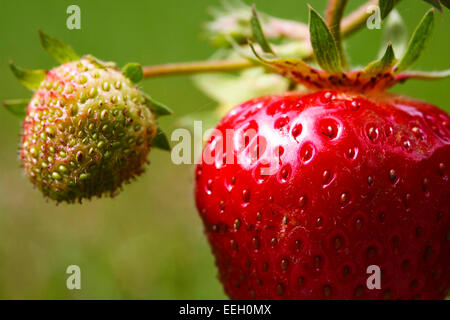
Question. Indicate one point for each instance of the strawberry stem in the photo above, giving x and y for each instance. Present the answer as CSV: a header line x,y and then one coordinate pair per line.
x,y
335,12
357,19
197,67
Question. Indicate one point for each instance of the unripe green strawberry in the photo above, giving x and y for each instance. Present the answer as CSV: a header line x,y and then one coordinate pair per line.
x,y
87,129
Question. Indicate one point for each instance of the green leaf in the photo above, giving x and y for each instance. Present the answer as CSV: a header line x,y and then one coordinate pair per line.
x,y
417,42
323,44
395,31
258,33
158,108
17,107
133,71
386,6
383,65
59,50
30,79
160,141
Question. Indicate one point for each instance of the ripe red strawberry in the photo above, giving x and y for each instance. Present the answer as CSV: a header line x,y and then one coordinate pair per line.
x,y
362,180
357,177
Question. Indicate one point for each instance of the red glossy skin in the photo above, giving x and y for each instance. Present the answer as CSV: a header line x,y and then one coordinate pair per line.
x,y
375,191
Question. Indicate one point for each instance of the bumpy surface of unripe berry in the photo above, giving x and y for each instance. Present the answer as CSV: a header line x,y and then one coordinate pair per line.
x,y
87,131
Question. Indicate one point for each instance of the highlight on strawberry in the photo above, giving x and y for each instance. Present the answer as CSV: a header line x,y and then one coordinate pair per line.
x,y
88,128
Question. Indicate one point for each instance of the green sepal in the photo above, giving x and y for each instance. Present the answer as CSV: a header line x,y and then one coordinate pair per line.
x,y
417,42
59,50
99,63
160,141
383,65
30,79
323,44
133,71
159,109
386,6
17,107
296,69
258,33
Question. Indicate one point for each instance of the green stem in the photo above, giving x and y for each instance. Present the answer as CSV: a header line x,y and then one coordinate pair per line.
x,y
197,67
335,12
354,21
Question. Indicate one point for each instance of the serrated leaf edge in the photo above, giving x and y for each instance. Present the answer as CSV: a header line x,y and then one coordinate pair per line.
x,y
258,33
324,45
417,42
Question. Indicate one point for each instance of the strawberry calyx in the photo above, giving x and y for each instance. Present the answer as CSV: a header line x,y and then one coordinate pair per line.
x,y
378,75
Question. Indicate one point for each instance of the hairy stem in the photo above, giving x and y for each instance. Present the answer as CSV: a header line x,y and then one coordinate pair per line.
x,y
287,28
355,20
333,18
197,67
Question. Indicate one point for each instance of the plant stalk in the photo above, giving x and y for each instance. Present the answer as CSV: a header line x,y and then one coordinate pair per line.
x,y
197,67
355,20
335,12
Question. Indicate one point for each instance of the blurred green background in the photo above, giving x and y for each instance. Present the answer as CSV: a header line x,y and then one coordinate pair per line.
x,y
148,242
